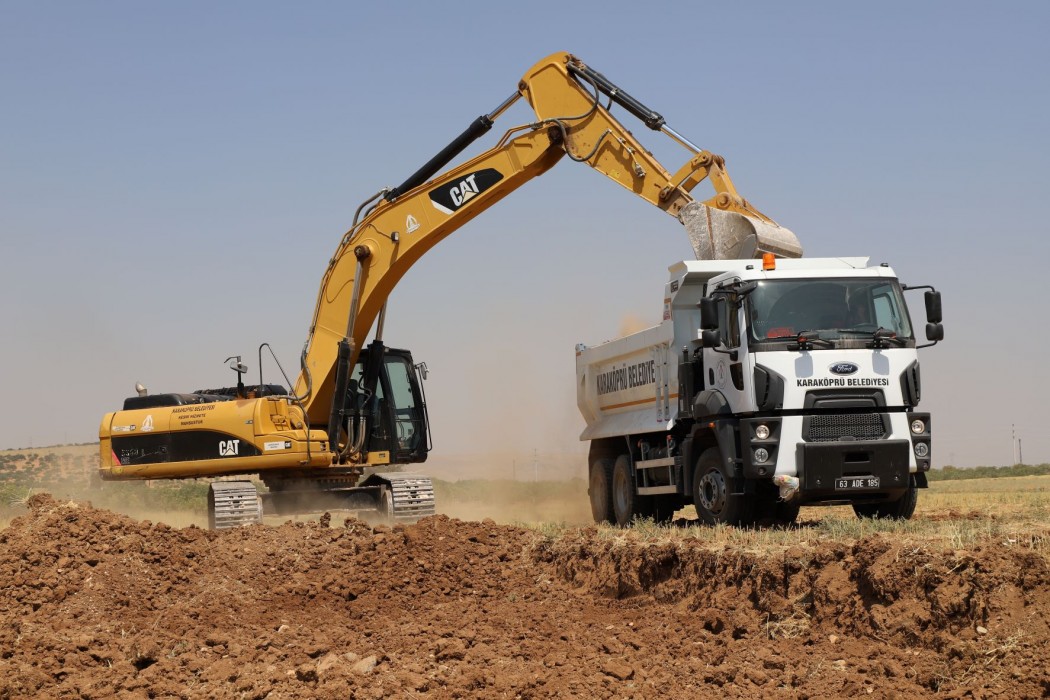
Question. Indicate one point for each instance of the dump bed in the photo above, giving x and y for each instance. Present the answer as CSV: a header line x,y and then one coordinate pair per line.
x,y
628,385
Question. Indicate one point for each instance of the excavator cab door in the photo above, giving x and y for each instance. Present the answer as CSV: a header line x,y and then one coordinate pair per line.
x,y
406,408
393,402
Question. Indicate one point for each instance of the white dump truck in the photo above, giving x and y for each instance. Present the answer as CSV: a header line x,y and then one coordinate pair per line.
x,y
769,384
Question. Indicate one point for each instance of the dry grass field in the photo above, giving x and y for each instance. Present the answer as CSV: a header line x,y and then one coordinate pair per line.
x,y
951,513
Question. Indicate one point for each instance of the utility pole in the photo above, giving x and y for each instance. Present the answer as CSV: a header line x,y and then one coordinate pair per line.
x,y
1013,443
1020,455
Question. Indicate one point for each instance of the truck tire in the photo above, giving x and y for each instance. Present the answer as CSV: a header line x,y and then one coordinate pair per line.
x,y
713,492
599,488
624,497
901,509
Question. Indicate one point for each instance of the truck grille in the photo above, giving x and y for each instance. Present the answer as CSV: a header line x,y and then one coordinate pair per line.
x,y
858,426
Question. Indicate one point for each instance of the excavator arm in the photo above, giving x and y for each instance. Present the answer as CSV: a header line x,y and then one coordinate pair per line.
x,y
566,96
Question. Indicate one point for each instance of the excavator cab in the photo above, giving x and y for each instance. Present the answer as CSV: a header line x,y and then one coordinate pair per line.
x,y
390,400
381,426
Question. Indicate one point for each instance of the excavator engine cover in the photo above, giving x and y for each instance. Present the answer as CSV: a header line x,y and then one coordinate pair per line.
x,y
725,235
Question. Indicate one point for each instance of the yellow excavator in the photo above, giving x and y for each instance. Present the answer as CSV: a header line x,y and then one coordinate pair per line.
x,y
357,413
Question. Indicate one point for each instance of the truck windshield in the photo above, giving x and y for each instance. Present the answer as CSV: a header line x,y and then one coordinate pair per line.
x,y
832,309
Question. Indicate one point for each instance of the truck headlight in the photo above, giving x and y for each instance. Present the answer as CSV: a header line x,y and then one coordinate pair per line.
x,y
921,449
918,427
762,432
761,454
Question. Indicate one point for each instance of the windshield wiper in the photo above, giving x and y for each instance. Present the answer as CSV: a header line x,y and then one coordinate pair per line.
x,y
883,337
880,336
805,341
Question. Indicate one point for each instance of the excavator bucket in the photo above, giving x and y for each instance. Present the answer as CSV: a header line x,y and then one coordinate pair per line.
x,y
724,235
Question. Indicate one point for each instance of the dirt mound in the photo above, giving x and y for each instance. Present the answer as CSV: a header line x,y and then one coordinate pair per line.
x,y
96,605
942,620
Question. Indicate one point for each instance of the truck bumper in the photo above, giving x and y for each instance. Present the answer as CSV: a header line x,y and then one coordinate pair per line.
x,y
853,470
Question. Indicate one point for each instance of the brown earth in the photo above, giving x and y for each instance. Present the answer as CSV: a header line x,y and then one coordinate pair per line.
x,y
95,605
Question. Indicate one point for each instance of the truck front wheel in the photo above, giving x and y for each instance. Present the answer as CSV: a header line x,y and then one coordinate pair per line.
x,y
599,488
901,509
713,492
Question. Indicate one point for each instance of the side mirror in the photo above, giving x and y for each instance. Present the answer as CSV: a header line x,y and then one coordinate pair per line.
x,y
708,315
711,338
933,308
934,332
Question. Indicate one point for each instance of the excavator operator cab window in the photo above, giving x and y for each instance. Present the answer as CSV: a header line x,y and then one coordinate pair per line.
x,y
397,421
407,417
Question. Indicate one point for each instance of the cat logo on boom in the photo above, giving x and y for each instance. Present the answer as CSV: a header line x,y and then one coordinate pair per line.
x,y
447,199
229,448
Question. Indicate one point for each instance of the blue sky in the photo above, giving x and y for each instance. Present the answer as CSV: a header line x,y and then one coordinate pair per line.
x,y
174,179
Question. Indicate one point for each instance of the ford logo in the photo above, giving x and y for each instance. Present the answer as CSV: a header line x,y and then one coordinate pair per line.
x,y
843,368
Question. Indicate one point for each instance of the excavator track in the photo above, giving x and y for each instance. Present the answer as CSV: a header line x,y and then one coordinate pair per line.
x,y
233,504
408,497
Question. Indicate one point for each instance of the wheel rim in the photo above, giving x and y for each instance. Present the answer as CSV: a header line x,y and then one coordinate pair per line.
x,y
712,492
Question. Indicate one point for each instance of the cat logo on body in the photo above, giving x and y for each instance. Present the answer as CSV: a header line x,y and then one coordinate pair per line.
x,y
229,448
464,190
447,199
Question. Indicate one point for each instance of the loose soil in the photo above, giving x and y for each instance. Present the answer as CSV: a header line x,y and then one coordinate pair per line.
x,y
96,605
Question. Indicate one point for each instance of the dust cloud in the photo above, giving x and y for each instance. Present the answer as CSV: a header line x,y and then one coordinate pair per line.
x,y
515,502
512,487
632,323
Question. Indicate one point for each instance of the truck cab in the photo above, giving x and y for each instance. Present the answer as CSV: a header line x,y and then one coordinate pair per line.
x,y
775,383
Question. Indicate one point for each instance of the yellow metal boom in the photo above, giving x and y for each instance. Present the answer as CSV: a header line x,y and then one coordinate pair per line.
x,y
565,95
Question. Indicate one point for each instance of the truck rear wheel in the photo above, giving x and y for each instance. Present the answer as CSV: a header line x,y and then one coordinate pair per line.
x,y
599,488
713,492
624,498
901,509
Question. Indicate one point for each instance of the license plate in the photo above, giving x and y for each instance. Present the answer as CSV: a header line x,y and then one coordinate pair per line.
x,y
850,483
